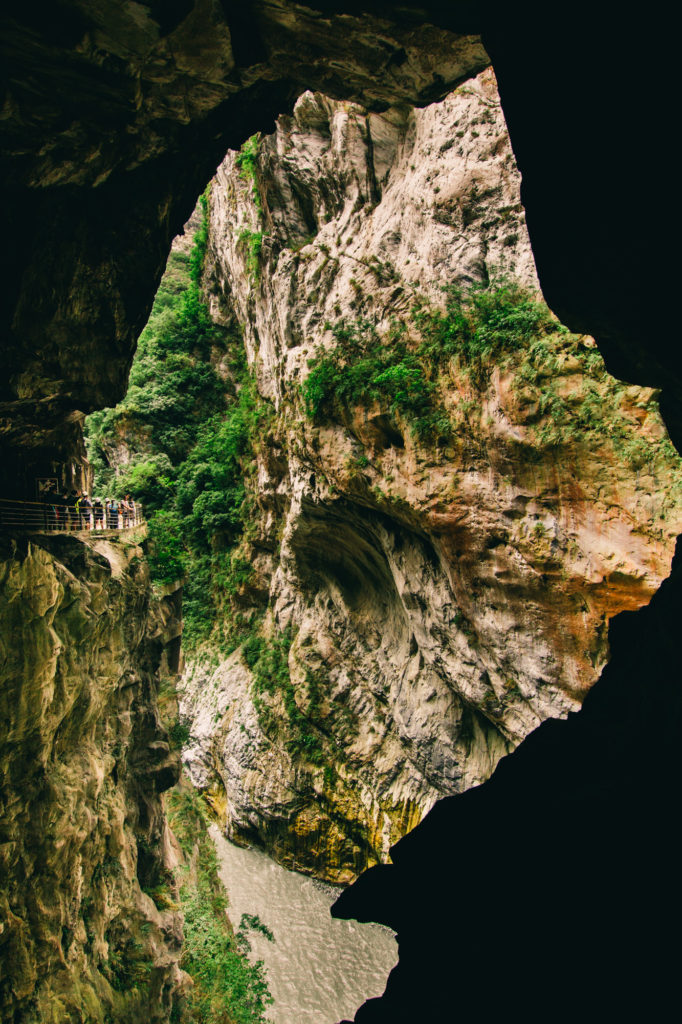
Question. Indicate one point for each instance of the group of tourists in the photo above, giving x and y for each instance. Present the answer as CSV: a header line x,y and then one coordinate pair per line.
x,y
76,510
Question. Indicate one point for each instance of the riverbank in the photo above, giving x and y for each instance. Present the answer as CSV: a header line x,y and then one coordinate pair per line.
x,y
319,970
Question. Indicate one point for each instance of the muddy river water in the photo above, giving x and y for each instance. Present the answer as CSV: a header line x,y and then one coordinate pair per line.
x,y
319,970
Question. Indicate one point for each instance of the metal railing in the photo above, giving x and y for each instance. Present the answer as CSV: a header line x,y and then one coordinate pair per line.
x,y
54,517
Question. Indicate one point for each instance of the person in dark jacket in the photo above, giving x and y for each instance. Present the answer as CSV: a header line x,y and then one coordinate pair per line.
x,y
72,512
84,507
51,499
61,510
98,513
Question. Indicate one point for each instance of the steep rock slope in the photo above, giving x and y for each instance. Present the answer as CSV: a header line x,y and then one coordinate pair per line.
x,y
115,118
149,99
594,236
83,837
439,576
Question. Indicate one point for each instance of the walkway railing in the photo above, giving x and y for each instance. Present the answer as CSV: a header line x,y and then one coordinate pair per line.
x,y
50,517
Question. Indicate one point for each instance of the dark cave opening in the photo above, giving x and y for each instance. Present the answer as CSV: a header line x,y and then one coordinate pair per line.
x,y
552,888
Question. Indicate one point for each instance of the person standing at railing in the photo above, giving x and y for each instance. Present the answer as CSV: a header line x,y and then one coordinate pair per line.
x,y
51,499
112,514
84,506
129,514
71,511
98,513
57,509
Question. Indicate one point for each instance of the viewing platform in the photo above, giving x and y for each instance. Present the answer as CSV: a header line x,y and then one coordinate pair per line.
x,y
50,517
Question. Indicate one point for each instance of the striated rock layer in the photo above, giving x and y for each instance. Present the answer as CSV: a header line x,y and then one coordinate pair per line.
x,y
84,761
434,600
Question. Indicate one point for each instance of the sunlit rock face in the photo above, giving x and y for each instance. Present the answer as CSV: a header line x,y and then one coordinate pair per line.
x,y
114,119
84,761
574,99
571,799
443,599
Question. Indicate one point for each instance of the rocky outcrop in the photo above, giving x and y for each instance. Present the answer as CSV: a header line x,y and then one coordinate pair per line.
x,y
523,845
83,838
600,223
433,600
150,98
149,101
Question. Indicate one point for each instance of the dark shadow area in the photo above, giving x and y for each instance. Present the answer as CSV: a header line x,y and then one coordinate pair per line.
x,y
587,113
554,887
551,892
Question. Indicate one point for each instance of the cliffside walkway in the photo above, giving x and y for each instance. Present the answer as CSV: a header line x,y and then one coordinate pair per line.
x,y
46,517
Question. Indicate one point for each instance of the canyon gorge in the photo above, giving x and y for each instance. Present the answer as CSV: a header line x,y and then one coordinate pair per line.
x,y
420,538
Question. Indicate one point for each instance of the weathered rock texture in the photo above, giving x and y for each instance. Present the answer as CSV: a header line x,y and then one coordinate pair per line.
x,y
137,107
84,761
524,844
443,599
114,118
600,223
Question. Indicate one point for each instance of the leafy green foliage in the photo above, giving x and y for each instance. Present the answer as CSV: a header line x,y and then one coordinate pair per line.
x,y
251,242
481,323
129,965
364,368
268,659
252,922
224,979
191,434
167,553
178,734
228,988
198,254
479,327
247,162
476,326
149,478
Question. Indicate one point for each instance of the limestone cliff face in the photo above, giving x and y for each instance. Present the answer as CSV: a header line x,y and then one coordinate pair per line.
x,y
432,603
84,760
149,99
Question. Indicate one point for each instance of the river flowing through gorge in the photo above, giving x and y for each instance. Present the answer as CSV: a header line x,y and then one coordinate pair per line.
x,y
319,969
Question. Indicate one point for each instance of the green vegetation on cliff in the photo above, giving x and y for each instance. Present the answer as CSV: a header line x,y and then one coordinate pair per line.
x,y
251,240
181,441
440,354
268,659
227,986
247,162
475,328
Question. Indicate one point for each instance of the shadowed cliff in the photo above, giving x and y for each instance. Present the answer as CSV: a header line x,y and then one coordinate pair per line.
x,y
551,887
595,795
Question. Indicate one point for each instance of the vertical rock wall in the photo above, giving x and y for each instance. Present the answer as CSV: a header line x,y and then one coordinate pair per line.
x,y
432,602
84,761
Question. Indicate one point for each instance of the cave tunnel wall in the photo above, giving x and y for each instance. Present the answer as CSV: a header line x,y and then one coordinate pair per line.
x,y
550,889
